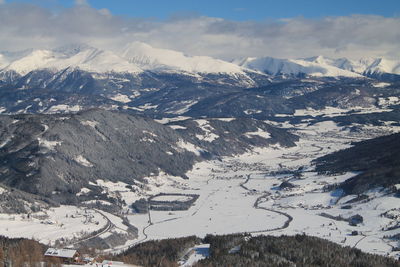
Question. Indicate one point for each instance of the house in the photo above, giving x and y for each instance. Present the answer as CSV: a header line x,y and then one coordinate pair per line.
x,y
67,256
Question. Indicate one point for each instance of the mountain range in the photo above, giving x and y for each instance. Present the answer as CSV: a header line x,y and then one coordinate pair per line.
x,y
138,57
157,82
320,66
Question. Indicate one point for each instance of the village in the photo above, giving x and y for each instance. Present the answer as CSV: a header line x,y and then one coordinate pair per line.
x,y
72,257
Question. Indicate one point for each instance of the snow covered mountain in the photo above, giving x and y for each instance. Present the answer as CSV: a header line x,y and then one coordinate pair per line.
x,y
87,59
134,58
317,67
150,58
138,57
320,66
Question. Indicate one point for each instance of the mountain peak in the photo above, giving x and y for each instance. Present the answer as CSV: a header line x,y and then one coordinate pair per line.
x,y
148,57
73,48
76,56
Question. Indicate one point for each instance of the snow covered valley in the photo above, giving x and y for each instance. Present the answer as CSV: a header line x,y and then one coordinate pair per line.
x,y
247,194
269,191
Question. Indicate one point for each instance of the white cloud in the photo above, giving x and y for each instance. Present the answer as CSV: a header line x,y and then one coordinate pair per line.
x,y
352,36
81,3
2,2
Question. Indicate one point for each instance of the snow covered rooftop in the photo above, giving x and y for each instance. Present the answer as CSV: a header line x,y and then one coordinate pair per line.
x,y
62,253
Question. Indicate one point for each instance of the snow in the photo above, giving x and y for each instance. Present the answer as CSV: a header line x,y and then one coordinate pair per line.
x,y
224,205
177,127
381,85
181,144
89,59
92,124
5,142
147,106
294,67
225,119
120,189
63,222
195,254
208,135
335,111
83,191
383,65
252,111
228,190
63,108
260,133
137,57
388,101
170,198
121,98
322,66
151,58
168,120
49,144
83,161
2,190
181,107
2,109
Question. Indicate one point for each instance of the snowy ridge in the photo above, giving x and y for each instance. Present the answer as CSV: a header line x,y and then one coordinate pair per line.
x,y
321,66
382,65
151,58
134,58
88,59
276,66
138,57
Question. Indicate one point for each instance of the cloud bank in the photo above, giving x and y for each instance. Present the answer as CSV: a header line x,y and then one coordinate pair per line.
x,y
27,26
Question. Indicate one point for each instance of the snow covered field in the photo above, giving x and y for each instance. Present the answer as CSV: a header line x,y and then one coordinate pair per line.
x,y
63,223
241,194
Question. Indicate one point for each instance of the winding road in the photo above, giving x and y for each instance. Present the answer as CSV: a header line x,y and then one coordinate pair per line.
x,y
256,205
106,229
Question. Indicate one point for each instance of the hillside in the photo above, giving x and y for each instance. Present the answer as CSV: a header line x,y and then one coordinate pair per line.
x,y
242,250
377,159
55,156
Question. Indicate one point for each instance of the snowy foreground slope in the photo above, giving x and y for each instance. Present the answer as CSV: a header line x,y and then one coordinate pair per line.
x,y
244,193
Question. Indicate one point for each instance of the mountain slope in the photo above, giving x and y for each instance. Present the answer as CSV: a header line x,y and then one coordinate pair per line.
x,y
55,156
378,159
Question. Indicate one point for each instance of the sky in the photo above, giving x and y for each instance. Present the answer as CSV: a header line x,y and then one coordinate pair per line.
x,y
225,29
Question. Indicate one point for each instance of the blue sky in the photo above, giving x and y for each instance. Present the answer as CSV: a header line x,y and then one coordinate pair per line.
x,y
225,29
234,9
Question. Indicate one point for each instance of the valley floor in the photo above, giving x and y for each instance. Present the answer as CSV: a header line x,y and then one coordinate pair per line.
x,y
242,194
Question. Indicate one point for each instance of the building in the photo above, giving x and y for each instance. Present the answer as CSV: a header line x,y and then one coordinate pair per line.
x,y
67,256
107,263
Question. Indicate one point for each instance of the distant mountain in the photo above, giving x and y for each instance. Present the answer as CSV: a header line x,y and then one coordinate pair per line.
x,y
156,59
87,59
134,58
157,82
315,67
320,66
